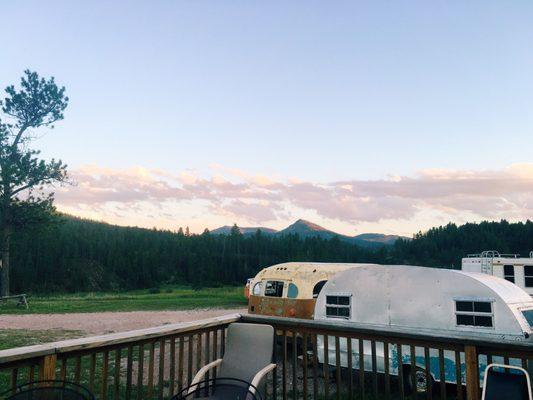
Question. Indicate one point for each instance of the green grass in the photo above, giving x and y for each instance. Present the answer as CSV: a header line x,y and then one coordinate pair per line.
x,y
176,298
10,338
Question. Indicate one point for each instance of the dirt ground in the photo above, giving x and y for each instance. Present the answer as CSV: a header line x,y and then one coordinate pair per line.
x,y
108,322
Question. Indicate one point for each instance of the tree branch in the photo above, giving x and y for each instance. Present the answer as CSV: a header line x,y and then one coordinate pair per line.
x,y
19,135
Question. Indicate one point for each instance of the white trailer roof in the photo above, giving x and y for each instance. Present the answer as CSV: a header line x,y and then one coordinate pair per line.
x,y
509,292
424,298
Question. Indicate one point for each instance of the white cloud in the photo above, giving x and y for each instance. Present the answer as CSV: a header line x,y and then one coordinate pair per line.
x,y
237,195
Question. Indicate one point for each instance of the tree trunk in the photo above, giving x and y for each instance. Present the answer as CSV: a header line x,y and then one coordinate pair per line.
x,y
4,268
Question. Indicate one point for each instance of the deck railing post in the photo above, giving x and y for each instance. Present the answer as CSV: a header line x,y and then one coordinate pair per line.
x,y
472,373
47,367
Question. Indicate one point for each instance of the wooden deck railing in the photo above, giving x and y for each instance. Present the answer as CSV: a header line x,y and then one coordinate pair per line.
x,y
142,364
158,362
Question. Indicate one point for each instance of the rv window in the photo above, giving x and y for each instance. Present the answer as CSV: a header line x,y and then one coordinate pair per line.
x,y
292,291
256,291
474,313
344,300
338,300
482,321
338,312
508,272
274,289
464,306
482,306
465,319
528,315
528,275
338,306
318,287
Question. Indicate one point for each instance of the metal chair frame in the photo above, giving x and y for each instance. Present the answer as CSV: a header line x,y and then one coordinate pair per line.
x,y
207,384
492,366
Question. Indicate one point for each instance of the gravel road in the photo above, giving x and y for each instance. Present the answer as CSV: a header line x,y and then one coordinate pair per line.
x,y
108,322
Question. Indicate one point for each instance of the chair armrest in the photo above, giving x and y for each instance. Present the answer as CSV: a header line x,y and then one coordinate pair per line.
x,y
201,373
260,375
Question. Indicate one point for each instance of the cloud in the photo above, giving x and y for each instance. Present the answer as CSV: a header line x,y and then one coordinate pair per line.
x,y
255,212
96,185
233,193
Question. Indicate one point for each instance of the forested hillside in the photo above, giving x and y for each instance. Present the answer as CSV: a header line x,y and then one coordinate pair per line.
x,y
446,245
77,255
82,255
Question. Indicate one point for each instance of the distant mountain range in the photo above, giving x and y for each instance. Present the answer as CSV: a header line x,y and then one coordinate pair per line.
x,y
308,229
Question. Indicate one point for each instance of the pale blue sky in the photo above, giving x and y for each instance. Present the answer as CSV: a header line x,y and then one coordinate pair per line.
x,y
322,91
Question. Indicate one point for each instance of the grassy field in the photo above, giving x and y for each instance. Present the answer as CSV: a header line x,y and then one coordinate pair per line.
x,y
170,298
10,338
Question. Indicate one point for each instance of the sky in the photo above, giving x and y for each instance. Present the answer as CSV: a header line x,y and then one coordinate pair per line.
x,y
367,116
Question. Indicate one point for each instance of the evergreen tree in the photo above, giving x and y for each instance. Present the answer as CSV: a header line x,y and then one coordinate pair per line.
x,y
23,176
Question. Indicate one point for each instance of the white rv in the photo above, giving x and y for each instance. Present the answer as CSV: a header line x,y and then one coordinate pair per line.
x,y
439,302
512,267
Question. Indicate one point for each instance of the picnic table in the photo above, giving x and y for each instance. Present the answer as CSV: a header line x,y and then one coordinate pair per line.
x,y
22,299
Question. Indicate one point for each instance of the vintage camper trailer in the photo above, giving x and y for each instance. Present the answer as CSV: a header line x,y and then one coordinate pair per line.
x,y
436,301
291,289
512,267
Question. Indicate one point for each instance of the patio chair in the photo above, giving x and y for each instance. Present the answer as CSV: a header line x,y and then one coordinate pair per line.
x,y
246,362
48,390
220,389
501,385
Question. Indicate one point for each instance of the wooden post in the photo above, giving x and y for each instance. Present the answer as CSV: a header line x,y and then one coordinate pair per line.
x,y
47,368
472,373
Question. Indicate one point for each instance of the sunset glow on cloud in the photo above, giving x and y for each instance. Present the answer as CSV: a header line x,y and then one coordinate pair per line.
x,y
222,196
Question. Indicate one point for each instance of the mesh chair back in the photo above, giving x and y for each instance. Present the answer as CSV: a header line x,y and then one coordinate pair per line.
x,y
249,348
500,385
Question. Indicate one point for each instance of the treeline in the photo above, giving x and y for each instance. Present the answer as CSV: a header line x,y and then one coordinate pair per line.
x,y
446,245
81,255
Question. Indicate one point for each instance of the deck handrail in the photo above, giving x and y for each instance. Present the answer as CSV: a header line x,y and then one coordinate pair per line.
x,y
112,339
347,328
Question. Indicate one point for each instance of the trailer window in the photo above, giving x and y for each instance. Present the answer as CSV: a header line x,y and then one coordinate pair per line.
x,y
528,275
338,306
474,313
256,291
292,291
528,315
508,272
274,289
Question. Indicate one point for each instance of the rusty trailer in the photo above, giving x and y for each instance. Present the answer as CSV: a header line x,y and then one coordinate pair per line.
x,y
291,289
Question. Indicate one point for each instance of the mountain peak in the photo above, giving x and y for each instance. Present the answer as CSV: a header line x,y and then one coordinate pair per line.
x,y
307,229
308,224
